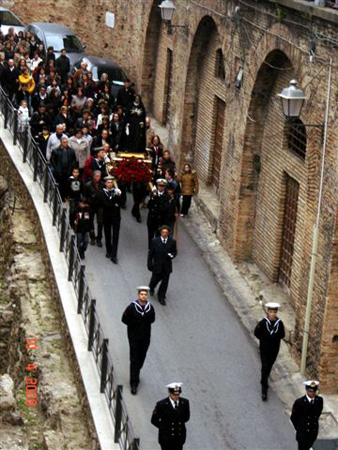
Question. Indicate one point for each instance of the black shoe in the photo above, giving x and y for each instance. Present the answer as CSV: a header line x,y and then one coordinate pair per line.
x,y
99,243
133,390
264,394
162,301
92,241
124,206
151,292
138,219
114,260
108,255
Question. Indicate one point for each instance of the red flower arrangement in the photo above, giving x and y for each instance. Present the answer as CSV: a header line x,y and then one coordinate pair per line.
x,y
131,170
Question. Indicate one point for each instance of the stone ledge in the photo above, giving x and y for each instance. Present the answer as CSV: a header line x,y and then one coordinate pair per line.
x,y
323,13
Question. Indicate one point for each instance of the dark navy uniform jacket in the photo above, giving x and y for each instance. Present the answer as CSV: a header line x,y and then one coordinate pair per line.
x,y
170,421
305,417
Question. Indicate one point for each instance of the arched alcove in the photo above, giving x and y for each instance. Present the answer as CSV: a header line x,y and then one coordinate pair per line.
x,y
150,55
199,52
276,64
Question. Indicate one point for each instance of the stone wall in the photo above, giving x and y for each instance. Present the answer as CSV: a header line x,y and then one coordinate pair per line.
x,y
30,307
271,42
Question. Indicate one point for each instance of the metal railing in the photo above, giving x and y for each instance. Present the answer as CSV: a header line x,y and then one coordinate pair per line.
x,y
86,304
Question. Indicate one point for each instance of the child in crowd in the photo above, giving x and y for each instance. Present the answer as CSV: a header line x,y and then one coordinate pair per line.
x,y
82,226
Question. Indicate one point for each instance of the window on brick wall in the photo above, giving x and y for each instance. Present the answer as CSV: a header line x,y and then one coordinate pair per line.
x,y
168,87
219,65
288,231
219,117
296,137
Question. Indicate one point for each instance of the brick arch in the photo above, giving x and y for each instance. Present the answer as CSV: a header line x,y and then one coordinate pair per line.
x,y
204,30
150,54
253,138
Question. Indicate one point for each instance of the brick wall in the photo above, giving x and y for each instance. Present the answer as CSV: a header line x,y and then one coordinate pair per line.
x,y
255,157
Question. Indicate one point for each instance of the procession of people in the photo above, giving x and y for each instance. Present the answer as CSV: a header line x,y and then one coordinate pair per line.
x,y
84,133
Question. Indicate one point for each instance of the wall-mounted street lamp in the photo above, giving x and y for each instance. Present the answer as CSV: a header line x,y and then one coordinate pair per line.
x,y
167,12
292,102
293,99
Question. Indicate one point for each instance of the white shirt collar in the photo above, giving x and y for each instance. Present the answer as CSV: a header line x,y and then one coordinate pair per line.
x,y
173,403
309,399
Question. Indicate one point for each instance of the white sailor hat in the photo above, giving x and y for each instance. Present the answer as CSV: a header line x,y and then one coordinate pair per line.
x,y
311,385
161,182
272,305
108,178
174,388
143,288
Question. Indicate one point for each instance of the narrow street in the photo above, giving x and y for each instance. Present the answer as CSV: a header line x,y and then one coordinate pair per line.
x,y
197,339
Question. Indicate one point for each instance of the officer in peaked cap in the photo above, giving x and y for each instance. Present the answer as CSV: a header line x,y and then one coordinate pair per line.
x,y
138,317
170,416
305,415
270,331
158,206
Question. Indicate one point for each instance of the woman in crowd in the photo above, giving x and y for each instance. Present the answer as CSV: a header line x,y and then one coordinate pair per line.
x,y
189,187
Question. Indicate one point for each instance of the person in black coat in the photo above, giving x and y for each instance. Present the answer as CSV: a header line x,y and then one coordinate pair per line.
x,y
63,161
125,95
170,416
62,65
10,78
111,201
138,317
305,415
162,251
270,331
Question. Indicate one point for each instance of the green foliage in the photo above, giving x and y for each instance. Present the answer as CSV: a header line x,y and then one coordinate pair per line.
x,y
280,14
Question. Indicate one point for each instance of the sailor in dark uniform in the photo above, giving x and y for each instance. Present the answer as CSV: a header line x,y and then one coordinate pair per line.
x,y
138,317
170,416
270,331
305,415
158,206
110,201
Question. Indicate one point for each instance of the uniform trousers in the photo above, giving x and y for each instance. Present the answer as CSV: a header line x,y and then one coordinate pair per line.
x,y
138,351
153,226
305,444
267,359
112,244
155,279
172,446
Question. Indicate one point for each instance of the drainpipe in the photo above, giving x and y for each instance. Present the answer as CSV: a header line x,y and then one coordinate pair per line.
x,y
315,237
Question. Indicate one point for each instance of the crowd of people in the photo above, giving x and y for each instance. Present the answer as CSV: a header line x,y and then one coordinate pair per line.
x,y
79,127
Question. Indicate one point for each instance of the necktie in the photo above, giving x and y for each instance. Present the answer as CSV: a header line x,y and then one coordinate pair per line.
x,y
164,241
176,405
312,402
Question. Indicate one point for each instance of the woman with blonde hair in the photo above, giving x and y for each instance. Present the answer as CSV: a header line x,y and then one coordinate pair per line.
x,y
26,86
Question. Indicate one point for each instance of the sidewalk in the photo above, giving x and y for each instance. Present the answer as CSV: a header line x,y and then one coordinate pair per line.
x,y
243,286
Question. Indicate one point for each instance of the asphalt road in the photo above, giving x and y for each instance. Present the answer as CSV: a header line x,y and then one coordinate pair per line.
x,y
197,339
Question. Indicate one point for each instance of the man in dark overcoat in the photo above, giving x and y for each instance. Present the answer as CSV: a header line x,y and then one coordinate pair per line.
x,y
170,416
138,317
63,161
161,253
270,331
305,415
111,201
